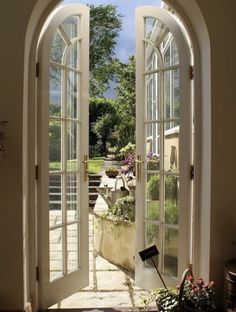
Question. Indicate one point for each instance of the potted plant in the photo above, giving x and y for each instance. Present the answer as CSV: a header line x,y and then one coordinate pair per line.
x,y
111,172
166,300
189,297
199,295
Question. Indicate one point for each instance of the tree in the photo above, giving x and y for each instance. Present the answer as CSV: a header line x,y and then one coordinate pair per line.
x,y
97,108
104,128
125,102
105,24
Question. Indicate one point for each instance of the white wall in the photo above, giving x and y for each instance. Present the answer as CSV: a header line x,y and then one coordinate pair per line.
x,y
14,16
221,25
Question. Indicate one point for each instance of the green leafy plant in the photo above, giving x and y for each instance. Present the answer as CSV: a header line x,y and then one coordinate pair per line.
x,y
171,187
165,299
123,210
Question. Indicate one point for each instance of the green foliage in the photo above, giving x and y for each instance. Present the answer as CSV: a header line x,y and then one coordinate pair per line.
x,y
125,102
154,187
55,139
128,149
171,187
98,107
123,210
104,128
166,300
105,25
95,165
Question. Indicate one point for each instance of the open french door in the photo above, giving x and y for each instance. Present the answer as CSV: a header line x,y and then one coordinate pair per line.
x,y
163,138
63,57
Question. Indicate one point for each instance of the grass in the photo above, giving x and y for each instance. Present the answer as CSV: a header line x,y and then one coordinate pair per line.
x,y
94,165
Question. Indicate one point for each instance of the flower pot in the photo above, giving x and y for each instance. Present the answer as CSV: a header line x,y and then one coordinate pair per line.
x,y
112,174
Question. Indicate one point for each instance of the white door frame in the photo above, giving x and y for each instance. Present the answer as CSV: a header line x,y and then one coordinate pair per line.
x,y
194,22
145,277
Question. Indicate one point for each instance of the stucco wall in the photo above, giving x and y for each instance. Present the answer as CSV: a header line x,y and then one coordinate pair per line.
x,y
220,21
14,16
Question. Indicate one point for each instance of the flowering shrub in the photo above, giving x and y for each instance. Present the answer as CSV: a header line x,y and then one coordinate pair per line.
x,y
129,164
153,161
199,295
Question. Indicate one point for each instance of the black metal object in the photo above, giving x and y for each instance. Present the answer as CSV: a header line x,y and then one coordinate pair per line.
x,y
149,253
230,285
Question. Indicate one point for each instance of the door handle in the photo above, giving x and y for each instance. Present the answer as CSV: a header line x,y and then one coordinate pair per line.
x,y
139,162
85,162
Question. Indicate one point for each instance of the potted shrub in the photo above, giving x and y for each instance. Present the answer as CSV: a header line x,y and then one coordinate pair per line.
x,y
112,172
199,295
190,296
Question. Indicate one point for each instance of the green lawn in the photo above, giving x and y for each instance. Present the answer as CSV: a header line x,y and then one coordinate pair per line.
x,y
94,165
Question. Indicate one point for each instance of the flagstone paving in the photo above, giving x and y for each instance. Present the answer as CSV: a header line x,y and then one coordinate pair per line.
x,y
108,285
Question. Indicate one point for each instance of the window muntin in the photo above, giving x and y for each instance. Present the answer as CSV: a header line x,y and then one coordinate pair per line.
x,y
64,149
161,76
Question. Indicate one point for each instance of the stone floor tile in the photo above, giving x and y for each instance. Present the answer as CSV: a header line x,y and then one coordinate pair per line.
x,y
111,280
90,286
97,300
104,265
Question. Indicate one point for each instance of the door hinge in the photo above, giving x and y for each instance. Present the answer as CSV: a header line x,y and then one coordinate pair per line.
x,y
192,172
36,172
37,69
37,273
191,72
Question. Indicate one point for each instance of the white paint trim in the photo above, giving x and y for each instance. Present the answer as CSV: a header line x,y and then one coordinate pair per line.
x,y
192,19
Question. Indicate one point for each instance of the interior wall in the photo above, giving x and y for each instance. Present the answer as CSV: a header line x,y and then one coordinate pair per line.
x,y
220,22
14,16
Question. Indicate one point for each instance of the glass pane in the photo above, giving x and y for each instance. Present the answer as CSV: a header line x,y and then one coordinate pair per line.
x,y
55,145
73,55
72,94
171,146
57,48
153,187
72,148
153,29
72,247
169,51
153,146
171,93
153,200
152,96
56,258
174,53
171,199
71,26
55,200
72,197
171,252
151,57
55,92
151,238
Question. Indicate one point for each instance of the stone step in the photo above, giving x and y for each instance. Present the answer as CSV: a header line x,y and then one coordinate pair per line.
x,y
93,196
95,177
94,183
92,203
93,189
